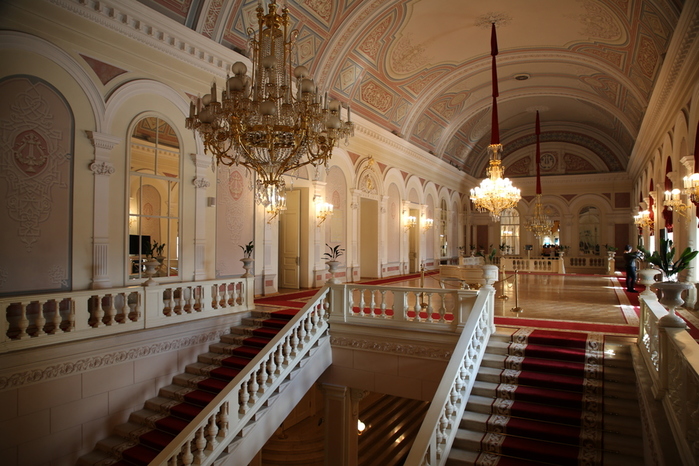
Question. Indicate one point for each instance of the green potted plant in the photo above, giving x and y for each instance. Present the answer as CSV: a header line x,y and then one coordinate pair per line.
x,y
247,258
670,287
664,259
330,257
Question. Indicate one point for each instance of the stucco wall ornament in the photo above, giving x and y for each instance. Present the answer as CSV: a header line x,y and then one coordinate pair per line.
x,y
200,182
102,168
392,347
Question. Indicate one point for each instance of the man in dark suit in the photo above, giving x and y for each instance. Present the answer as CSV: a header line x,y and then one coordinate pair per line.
x,y
630,261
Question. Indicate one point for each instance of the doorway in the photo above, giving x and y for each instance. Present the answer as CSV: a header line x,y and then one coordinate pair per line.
x,y
369,238
290,242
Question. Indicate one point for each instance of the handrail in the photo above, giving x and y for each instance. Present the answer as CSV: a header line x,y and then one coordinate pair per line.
x,y
218,424
438,430
45,319
671,357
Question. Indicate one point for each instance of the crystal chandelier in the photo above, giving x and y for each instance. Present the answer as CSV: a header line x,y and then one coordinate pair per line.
x,y
674,202
495,194
264,122
691,187
540,224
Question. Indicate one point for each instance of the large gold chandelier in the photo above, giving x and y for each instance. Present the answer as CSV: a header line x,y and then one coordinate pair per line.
x,y
495,194
264,122
540,224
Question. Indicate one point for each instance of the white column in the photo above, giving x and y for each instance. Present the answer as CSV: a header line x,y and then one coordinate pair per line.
x,y
383,234
319,235
101,168
201,185
341,415
354,239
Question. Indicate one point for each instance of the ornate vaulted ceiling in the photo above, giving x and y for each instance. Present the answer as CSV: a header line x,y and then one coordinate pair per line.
x,y
421,69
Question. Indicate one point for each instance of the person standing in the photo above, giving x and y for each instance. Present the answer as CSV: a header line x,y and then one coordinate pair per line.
x,y
630,262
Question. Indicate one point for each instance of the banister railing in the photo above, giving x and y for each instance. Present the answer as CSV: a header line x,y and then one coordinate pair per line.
x,y
671,357
406,308
38,320
438,430
218,424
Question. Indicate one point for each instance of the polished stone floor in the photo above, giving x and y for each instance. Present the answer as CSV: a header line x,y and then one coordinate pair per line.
x,y
580,298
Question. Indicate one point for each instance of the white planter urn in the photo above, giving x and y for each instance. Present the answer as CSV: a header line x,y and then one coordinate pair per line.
x,y
490,274
647,278
152,265
247,265
332,268
671,300
610,262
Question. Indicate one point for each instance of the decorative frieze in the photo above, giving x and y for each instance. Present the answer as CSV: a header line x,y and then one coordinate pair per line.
x,y
404,349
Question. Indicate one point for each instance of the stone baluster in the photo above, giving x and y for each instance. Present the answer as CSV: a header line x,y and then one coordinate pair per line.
x,y
172,461
176,300
70,316
263,375
212,432
362,303
287,350
22,322
254,387
243,398
350,300
417,309
199,446
187,456
215,296
294,342
110,311
56,317
277,360
223,420
96,311
40,320
309,325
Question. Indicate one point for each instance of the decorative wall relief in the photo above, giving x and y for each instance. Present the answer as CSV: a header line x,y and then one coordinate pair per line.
x,y
36,178
234,211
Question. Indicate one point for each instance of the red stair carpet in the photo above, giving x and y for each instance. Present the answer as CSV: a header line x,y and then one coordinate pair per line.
x,y
548,406
180,414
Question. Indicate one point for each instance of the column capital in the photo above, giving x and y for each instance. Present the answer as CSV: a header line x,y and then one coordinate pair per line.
x,y
200,182
101,167
102,140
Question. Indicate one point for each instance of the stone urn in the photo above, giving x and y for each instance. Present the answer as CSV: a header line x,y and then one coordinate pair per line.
x,y
647,278
152,266
247,265
610,262
490,274
671,299
332,268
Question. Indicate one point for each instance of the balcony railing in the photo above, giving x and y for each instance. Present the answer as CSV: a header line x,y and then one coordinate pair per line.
x,y
46,319
671,357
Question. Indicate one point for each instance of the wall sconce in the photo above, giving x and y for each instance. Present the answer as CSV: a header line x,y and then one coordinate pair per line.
x,y
427,224
361,427
643,220
691,187
674,202
275,207
410,221
323,211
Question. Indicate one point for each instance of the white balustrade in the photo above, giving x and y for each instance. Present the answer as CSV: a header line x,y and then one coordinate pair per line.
x,y
221,421
38,320
403,307
438,430
671,357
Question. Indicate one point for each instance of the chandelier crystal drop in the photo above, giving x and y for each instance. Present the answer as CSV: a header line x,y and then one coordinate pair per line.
x,y
495,194
274,121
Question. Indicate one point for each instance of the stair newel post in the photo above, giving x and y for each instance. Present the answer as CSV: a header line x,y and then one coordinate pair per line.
x,y
199,446
187,456
223,420
212,432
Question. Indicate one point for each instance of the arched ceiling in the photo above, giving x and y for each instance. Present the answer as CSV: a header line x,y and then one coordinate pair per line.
x,y
421,69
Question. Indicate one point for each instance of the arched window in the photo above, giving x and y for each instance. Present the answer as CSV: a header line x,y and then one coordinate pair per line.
x,y
588,227
154,197
509,231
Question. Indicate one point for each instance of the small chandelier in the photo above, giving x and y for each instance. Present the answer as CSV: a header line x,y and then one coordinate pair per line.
x,y
643,220
275,206
674,202
540,224
427,224
264,122
409,222
495,194
323,211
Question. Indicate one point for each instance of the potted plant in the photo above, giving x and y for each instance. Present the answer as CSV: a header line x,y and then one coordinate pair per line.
x,y
670,287
247,258
330,257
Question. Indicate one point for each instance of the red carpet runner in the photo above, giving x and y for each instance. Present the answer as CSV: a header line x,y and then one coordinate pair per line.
x,y
549,405
167,426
